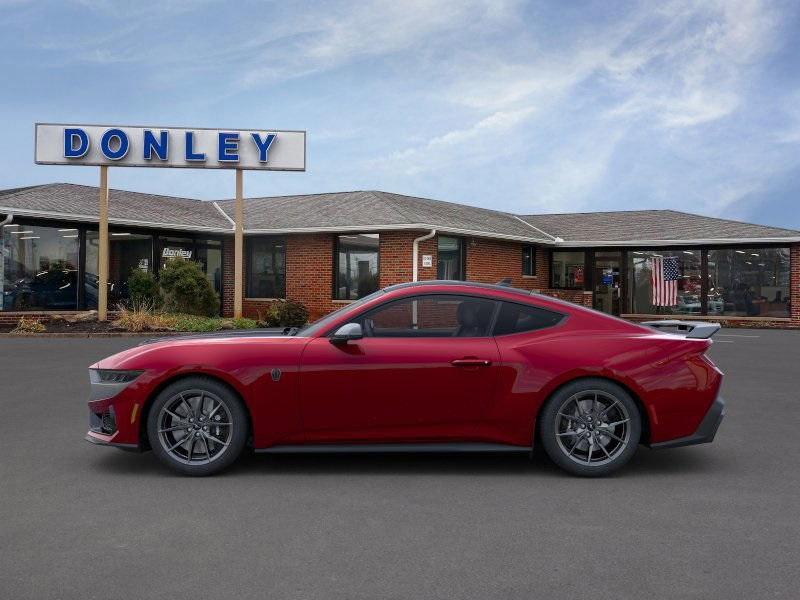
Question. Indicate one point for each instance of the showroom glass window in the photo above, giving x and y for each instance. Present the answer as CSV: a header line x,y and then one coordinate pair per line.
x,y
645,292
209,255
356,272
748,282
568,270
39,267
129,251
529,261
266,267
450,264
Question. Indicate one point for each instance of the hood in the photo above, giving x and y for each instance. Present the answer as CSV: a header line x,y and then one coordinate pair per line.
x,y
228,333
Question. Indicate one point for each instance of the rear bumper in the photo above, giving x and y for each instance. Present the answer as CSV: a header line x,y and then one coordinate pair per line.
x,y
705,431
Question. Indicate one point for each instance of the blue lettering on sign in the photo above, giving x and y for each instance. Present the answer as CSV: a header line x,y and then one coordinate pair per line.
x,y
159,146
122,148
71,136
263,145
228,142
190,153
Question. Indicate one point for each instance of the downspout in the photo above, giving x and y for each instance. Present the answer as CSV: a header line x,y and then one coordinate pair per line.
x,y
415,253
7,220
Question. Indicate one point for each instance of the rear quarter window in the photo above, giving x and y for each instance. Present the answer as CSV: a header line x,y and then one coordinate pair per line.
x,y
518,318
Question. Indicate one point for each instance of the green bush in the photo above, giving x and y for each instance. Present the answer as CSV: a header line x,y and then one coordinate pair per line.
x,y
243,323
143,289
286,313
186,289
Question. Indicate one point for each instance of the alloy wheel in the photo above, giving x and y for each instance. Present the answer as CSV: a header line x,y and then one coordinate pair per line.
x,y
593,427
195,427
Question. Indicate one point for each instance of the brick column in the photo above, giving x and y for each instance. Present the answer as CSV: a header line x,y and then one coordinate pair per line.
x,y
396,256
227,276
794,283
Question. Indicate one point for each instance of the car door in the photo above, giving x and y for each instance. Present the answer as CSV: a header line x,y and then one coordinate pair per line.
x,y
425,370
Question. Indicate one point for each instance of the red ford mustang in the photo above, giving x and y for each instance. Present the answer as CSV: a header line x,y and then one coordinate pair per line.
x,y
433,366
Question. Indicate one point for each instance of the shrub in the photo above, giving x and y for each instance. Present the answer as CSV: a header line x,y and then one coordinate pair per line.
x,y
26,325
143,289
286,313
195,323
243,323
186,289
141,317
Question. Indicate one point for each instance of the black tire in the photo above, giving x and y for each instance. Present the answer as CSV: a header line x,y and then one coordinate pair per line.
x,y
575,427
190,396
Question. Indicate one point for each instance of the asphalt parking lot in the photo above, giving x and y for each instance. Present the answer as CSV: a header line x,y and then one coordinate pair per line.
x,y
713,521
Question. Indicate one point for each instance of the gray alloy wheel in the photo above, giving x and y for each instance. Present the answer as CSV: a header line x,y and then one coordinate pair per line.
x,y
590,427
197,426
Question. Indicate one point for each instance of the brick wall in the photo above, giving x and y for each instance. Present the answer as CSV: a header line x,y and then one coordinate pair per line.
x,y
490,261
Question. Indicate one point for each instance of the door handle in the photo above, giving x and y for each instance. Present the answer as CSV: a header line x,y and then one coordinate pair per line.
x,y
471,362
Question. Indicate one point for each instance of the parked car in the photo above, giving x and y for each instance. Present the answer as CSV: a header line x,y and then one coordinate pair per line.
x,y
433,366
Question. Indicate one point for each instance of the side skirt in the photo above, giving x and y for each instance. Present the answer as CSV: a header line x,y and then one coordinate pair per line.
x,y
377,448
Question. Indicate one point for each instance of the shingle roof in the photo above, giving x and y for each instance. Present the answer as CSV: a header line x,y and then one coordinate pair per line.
x,y
374,210
70,201
627,227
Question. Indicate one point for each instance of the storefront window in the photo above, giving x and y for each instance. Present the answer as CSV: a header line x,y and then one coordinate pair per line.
x,y
356,265
567,270
128,252
209,255
266,267
39,268
450,263
747,282
665,282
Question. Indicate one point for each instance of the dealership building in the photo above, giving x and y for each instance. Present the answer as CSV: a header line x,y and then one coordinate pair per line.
x,y
325,250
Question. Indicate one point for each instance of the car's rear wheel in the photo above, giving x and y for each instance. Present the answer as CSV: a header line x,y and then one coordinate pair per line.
x,y
590,427
197,426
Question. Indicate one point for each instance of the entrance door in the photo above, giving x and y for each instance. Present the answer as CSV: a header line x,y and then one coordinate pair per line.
x,y
607,281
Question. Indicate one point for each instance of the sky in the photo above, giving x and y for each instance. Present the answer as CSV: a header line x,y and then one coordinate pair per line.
x,y
529,107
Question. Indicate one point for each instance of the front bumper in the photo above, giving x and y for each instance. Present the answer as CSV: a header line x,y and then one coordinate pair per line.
x,y
705,431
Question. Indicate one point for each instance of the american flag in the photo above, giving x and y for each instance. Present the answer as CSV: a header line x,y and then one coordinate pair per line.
x,y
665,280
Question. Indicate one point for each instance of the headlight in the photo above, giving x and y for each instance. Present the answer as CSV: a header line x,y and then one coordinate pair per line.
x,y
112,375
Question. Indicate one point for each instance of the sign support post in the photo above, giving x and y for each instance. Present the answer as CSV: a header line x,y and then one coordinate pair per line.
x,y
103,254
238,254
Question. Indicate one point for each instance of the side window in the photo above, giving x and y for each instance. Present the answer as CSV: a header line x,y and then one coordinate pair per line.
x,y
516,318
430,316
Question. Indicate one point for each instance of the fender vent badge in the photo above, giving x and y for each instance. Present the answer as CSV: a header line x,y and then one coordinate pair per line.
x,y
276,374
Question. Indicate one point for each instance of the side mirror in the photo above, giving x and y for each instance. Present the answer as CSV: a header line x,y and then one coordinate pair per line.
x,y
345,333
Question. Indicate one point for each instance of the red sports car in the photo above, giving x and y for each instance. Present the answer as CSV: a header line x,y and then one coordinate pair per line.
x,y
432,366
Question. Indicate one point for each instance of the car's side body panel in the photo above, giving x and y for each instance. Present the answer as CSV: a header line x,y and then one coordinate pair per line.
x,y
396,389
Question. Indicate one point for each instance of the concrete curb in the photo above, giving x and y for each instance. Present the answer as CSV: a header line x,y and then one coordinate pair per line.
x,y
103,334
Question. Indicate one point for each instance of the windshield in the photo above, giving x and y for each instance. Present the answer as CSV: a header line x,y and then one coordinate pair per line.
x,y
322,323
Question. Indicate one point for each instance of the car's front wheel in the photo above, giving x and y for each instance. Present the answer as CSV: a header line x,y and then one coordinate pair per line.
x,y
197,426
590,427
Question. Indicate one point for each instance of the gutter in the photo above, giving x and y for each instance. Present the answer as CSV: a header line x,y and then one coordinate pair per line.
x,y
415,253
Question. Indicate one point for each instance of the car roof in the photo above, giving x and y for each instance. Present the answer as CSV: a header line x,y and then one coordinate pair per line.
x,y
451,283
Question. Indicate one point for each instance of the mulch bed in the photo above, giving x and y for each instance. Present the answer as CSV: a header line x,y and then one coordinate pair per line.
x,y
59,325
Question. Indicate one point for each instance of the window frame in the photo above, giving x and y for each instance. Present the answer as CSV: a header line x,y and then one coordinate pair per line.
x,y
532,250
335,265
462,252
364,313
248,270
562,319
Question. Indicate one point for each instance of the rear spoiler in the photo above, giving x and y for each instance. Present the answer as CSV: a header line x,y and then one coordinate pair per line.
x,y
697,330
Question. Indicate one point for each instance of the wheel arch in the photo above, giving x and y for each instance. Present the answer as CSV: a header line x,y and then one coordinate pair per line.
x,y
144,443
644,413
